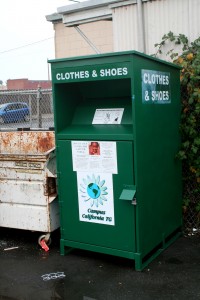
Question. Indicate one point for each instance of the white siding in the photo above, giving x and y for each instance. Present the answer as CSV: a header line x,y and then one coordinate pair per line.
x,y
125,28
194,19
160,17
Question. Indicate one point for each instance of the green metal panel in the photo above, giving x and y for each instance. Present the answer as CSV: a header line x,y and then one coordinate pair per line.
x,y
147,141
121,235
158,172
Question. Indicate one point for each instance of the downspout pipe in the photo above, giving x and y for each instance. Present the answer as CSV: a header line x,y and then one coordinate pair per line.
x,y
141,36
87,40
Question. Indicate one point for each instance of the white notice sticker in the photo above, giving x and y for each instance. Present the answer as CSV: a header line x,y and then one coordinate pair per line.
x,y
108,116
95,197
94,156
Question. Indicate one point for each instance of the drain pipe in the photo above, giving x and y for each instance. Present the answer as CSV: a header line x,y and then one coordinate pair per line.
x,y
141,36
87,40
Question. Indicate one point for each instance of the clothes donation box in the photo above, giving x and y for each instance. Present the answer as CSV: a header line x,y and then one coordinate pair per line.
x,y
117,135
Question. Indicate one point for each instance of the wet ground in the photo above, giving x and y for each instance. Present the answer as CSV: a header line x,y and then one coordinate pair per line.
x,y
28,272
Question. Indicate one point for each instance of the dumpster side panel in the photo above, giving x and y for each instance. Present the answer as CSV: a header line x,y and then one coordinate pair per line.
x,y
30,217
21,192
28,198
30,142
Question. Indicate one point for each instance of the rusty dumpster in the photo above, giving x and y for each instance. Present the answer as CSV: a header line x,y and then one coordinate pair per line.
x,y
28,195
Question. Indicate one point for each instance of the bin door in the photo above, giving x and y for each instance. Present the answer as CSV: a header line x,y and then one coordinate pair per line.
x,y
96,207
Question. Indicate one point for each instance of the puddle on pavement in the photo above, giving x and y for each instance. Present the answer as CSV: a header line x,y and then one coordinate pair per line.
x,y
174,260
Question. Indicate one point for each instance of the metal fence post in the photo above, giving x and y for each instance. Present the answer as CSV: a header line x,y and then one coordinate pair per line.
x,y
30,107
39,113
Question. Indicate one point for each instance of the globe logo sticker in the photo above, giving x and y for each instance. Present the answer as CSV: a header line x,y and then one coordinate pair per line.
x,y
93,189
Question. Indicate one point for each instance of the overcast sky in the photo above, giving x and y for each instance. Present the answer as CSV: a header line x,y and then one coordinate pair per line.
x,y
23,22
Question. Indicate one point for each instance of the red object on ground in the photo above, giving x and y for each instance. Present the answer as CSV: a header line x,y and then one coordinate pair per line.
x,y
44,245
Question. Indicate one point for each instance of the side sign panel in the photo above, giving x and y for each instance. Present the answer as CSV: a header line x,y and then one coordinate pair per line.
x,y
156,87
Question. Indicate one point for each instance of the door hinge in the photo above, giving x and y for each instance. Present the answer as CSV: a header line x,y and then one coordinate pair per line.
x,y
134,201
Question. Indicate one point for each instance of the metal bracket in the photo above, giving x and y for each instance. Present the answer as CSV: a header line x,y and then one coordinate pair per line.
x,y
128,192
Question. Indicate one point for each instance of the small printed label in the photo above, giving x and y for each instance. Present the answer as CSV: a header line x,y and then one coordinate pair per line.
x,y
29,165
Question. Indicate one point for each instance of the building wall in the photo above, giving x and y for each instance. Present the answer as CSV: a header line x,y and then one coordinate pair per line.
x,y
25,84
68,42
123,31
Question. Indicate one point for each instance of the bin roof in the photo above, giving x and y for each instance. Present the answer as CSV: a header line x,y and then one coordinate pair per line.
x,y
130,52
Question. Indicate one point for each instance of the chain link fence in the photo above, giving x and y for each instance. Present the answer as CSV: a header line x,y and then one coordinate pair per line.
x,y
190,131
191,196
33,109
26,109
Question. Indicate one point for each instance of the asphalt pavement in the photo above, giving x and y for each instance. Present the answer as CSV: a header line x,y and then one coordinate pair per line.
x,y
27,272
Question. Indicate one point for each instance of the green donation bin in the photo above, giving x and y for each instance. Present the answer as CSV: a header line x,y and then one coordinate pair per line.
x,y
117,135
